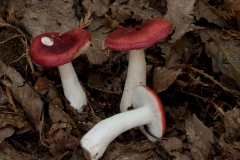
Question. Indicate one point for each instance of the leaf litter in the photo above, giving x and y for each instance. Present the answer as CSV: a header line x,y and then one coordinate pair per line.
x,y
188,70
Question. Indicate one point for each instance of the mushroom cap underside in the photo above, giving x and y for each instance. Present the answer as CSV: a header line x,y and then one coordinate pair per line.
x,y
144,96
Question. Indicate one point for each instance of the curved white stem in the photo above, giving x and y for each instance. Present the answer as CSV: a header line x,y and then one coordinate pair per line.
x,y
136,75
72,89
100,136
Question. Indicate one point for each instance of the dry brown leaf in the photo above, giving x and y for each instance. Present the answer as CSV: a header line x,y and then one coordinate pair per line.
x,y
200,137
180,13
33,105
61,142
46,87
11,105
229,65
133,150
229,140
99,7
216,50
15,121
11,12
173,146
234,6
23,94
48,16
6,132
172,57
3,97
102,82
212,50
57,115
95,53
7,151
163,78
204,11
131,10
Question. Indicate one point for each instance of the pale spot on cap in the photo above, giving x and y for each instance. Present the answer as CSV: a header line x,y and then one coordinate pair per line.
x,y
47,41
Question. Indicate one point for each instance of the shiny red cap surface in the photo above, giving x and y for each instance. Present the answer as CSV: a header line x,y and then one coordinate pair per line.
x,y
141,36
65,47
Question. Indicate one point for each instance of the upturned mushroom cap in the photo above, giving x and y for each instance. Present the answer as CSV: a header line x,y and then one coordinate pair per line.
x,y
141,36
144,96
53,49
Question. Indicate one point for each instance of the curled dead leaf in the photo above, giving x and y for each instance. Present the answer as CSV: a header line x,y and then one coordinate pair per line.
x,y
228,63
163,78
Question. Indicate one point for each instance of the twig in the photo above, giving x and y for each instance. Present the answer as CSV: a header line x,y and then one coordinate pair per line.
x,y
10,39
233,92
2,23
93,113
19,58
224,14
221,48
204,99
86,21
12,106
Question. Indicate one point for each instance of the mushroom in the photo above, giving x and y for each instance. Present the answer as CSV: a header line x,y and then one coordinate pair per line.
x,y
54,49
148,110
135,40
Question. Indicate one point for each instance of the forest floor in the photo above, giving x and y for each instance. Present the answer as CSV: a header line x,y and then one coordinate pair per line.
x,y
195,71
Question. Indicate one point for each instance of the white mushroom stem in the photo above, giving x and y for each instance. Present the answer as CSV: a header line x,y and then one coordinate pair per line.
x,y
72,89
136,75
100,136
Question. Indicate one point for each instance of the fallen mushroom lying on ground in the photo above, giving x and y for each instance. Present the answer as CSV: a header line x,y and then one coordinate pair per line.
x,y
148,110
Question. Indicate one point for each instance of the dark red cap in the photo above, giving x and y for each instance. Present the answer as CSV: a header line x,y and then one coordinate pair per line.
x,y
64,49
141,36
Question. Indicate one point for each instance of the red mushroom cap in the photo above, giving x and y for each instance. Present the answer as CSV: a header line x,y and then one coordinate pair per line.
x,y
64,49
141,36
142,96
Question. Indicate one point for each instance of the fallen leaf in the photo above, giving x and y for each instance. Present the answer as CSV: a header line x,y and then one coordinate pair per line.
x,y
23,93
101,81
133,150
229,140
200,137
228,63
46,87
123,10
61,142
163,78
205,12
212,50
171,56
180,13
7,151
57,115
3,97
234,6
33,105
48,16
96,52
16,121
6,132
173,146
99,7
